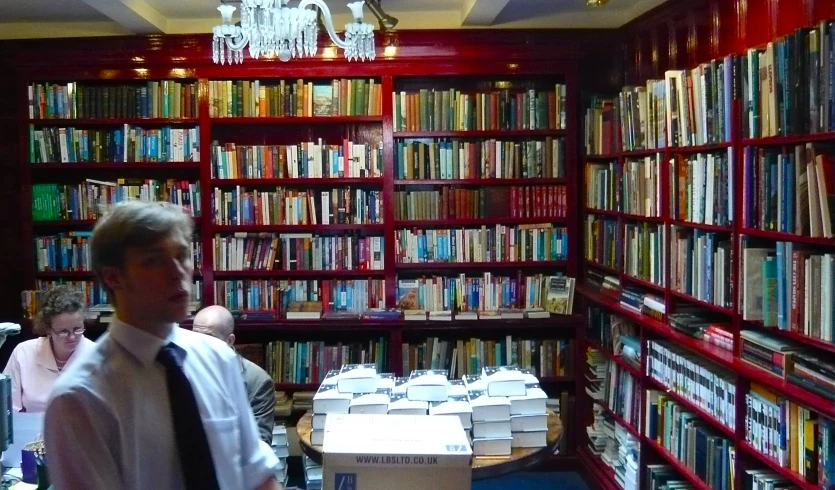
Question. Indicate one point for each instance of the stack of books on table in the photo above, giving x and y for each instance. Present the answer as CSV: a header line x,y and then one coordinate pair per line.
x,y
502,408
312,474
355,388
279,445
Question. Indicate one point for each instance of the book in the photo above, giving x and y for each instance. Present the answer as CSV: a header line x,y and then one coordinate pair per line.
x,y
370,403
357,378
322,100
560,295
504,380
428,385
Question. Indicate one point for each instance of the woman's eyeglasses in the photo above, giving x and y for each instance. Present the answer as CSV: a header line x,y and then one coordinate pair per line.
x,y
66,333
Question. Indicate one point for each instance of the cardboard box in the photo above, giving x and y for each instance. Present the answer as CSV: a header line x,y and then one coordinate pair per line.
x,y
407,452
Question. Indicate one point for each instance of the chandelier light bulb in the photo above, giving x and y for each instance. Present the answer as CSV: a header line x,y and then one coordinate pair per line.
x,y
271,28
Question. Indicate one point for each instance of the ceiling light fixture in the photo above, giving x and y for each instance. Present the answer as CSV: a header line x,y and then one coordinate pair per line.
x,y
596,3
271,28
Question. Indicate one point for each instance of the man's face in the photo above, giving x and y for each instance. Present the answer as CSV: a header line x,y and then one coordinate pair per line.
x,y
155,283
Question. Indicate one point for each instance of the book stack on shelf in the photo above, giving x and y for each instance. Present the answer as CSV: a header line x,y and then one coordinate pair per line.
x,y
312,474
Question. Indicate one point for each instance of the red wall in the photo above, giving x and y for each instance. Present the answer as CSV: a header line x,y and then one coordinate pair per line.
x,y
681,34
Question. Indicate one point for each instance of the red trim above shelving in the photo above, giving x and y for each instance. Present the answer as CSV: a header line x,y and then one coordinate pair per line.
x,y
603,212
795,478
637,217
477,133
702,226
521,181
480,265
787,237
219,121
38,167
102,122
704,304
642,282
475,222
301,181
304,273
296,228
701,148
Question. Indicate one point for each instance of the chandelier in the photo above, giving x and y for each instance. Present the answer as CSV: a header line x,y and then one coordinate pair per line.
x,y
271,28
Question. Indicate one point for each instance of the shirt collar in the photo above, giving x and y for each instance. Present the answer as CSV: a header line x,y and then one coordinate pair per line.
x,y
142,345
45,357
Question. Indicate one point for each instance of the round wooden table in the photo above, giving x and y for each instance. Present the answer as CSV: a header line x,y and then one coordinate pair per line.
x,y
483,466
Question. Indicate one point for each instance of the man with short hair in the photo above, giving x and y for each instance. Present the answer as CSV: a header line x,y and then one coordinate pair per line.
x,y
218,322
152,406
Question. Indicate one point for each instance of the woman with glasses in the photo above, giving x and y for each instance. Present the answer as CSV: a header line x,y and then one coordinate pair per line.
x,y
35,364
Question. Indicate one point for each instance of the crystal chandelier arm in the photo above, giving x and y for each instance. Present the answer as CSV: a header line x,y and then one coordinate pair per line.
x,y
241,42
328,22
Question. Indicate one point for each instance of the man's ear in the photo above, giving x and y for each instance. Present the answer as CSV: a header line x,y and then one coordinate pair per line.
x,y
231,340
112,278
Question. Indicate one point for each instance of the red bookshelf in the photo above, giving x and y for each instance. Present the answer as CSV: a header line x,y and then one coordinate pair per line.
x,y
301,181
795,478
616,359
70,223
300,273
604,268
475,222
787,140
65,274
641,282
296,228
603,212
701,148
296,120
88,166
482,182
479,133
613,156
704,304
638,217
811,400
797,337
701,226
787,237
472,265
296,386
114,121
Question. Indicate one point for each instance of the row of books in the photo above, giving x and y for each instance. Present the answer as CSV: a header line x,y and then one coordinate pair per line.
x,y
709,387
296,252
270,298
284,206
92,199
792,361
481,159
640,186
600,128
299,98
701,188
308,362
307,159
603,241
616,448
790,288
603,186
643,253
487,293
642,111
95,296
71,251
772,103
689,439
126,144
791,435
665,477
790,191
470,356
454,110
486,244
541,201
622,394
80,100
700,266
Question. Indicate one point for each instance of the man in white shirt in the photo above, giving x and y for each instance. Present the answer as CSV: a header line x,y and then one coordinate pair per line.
x,y
153,406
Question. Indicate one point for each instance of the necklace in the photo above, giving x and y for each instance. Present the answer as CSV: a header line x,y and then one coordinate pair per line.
x,y
60,364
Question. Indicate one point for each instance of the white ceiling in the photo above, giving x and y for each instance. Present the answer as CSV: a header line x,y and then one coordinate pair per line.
x,y
66,18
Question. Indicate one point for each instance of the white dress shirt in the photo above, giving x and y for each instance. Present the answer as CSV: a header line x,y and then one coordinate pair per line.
x,y
108,424
33,370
